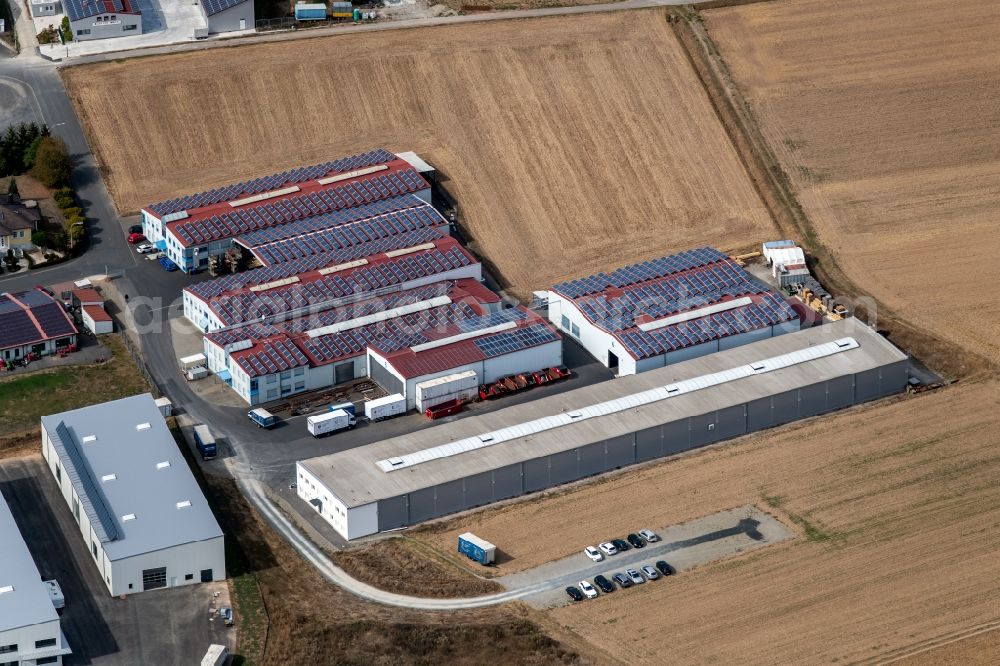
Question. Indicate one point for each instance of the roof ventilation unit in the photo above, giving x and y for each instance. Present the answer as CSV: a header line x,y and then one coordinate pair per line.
x,y
142,426
89,438
184,504
128,516
163,465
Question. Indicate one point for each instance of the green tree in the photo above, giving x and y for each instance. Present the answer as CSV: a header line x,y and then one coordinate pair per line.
x,y
53,164
39,239
67,30
31,151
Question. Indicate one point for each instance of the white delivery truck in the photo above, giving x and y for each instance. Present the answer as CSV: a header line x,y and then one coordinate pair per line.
x,y
386,407
324,424
56,594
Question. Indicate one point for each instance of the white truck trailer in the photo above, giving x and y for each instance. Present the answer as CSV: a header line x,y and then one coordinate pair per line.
x,y
324,424
217,655
385,407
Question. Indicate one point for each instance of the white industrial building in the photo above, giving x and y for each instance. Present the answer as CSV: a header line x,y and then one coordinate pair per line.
x,y
505,347
561,438
140,510
667,310
30,632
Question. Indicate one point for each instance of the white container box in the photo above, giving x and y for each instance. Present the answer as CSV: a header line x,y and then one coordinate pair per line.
x,y
322,424
435,391
383,408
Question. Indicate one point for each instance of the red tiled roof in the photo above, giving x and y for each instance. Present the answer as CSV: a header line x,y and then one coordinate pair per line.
x,y
88,296
410,364
96,313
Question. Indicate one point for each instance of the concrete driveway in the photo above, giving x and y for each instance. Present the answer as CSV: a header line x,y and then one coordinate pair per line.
x,y
161,627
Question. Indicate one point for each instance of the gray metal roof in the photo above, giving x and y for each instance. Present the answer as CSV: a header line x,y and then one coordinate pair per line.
x,y
356,479
132,467
28,603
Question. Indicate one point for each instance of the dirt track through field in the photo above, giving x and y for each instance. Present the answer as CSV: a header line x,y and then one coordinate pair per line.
x,y
571,144
898,538
884,117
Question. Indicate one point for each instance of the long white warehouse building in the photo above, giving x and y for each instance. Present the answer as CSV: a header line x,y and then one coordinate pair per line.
x,y
139,508
522,449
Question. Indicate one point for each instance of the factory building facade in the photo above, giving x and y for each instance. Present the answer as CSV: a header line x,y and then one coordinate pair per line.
x,y
559,439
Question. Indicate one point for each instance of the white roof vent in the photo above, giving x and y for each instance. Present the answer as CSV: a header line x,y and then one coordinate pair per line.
x,y
109,477
163,465
89,438
6,589
142,426
395,461
486,438
128,516
184,504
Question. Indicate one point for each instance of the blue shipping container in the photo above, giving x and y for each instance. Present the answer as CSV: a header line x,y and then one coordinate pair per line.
x,y
476,549
310,11
346,406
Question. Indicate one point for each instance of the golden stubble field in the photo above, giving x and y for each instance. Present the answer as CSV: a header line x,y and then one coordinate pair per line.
x,y
897,507
884,115
572,144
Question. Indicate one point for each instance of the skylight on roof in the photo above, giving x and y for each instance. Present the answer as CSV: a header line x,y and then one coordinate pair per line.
x,y
184,504
163,465
128,516
142,426
89,438
6,589
109,477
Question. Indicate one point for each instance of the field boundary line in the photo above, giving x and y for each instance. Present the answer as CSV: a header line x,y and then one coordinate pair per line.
x,y
930,644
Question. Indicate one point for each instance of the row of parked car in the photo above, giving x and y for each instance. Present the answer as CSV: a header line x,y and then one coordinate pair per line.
x,y
615,546
631,577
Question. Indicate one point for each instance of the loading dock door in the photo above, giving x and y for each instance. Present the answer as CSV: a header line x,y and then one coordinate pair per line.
x,y
343,372
154,578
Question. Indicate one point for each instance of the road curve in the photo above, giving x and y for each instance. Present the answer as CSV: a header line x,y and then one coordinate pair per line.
x,y
253,491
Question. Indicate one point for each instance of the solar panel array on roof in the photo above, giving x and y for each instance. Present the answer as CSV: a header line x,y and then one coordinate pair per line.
x,y
17,326
273,182
509,342
213,7
272,234
348,194
357,239
83,9
270,357
769,311
387,336
668,295
248,306
641,272
238,334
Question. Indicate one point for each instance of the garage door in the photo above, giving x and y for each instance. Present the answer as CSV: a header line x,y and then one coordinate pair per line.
x,y
154,578
343,372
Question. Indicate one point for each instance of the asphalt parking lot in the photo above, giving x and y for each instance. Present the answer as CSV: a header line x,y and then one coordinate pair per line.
x,y
165,627
683,546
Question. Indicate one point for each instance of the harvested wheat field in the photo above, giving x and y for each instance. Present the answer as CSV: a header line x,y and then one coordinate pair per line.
x,y
897,507
884,117
571,144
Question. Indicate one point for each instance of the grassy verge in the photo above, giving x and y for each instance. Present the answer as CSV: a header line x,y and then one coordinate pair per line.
x,y
25,399
812,530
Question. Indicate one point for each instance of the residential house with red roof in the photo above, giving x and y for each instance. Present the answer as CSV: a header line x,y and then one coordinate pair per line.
x,y
33,322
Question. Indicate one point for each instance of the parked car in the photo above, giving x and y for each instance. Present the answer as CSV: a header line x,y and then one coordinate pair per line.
x,y
603,583
608,548
620,544
650,572
145,248
635,540
622,580
135,229
588,589
649,535
168,265
664,568
593,553
135,238
635,576
574,594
